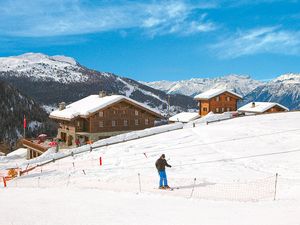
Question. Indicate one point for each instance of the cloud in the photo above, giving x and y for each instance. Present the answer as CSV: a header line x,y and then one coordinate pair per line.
x,y
259,40
73,17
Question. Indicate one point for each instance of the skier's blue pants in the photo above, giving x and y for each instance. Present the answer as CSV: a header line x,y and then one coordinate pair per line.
x,y
163,178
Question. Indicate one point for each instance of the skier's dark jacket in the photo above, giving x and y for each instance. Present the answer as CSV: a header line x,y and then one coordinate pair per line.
x,y
161,164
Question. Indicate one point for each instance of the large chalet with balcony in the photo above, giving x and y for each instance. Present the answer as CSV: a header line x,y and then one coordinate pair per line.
x,y
99,116
217,101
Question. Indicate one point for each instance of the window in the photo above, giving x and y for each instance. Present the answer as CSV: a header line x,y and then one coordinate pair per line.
x,y
204,109
218,98
101,124
101,114
217,110
113,123
146,121
125,123
115,112
228,109
124,112
228,99
136,122
78,123
136,112
222,109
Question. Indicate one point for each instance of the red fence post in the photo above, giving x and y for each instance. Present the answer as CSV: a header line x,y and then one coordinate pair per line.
x,y
100,161
4,181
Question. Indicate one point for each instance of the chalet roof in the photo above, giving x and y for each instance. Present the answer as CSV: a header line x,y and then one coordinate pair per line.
x,y
184,117
215,92
92,104
260,107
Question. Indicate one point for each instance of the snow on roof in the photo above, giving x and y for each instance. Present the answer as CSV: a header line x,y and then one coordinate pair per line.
x,y
184,117
260,107
214,92
91,104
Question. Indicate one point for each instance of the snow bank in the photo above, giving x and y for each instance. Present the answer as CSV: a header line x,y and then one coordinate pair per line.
x,y
184,117
19,153
211,117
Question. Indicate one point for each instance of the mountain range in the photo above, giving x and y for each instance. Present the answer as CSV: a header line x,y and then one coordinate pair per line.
x,y
241,84
53,79
284,89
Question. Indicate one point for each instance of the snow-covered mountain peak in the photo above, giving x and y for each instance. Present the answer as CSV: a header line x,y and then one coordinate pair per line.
x,y
242,84
39,66
65,59
32,58
289,78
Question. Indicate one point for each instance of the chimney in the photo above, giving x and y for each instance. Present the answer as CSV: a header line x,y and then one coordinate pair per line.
x,y
253,105
102,94
62,106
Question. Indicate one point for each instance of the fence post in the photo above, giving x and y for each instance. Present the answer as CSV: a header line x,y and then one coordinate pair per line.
x,y
140,186
91,149
275,191
193,188
68,180
4,181
100,161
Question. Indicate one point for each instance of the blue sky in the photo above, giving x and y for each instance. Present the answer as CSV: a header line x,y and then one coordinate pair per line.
x,y
159,40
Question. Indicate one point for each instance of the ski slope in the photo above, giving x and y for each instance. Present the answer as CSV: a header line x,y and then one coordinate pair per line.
x,y
234,163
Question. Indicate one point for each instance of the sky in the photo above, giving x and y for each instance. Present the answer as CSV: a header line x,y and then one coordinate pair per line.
x,y
159,39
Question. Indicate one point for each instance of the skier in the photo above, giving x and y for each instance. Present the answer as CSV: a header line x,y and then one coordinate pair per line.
x,y
160,164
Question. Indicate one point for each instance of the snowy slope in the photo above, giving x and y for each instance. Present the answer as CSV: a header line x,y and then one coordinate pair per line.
x,y
220,155
285,90
239,83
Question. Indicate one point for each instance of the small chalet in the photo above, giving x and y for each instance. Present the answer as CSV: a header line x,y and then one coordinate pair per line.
x,y
217,101
262,107
99,116
184,117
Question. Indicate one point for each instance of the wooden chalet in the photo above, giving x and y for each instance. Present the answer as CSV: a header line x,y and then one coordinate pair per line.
x,y
262,107
99,116
217,101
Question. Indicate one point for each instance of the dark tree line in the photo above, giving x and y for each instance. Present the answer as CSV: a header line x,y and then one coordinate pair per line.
x,y
13,107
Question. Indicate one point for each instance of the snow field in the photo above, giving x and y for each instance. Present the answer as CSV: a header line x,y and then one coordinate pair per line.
x,y
234,161
91,206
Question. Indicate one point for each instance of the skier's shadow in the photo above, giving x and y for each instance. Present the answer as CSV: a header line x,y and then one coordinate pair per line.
x,y
196,185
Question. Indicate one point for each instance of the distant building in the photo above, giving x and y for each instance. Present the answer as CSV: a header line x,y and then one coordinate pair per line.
x,y
217,101
99,116
184,117
262,107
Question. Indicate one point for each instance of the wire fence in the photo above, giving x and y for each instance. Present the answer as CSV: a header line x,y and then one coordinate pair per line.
x,y
83,176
